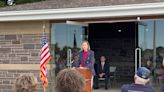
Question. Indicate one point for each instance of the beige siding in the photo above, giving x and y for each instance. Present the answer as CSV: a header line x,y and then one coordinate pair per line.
x,y
23,27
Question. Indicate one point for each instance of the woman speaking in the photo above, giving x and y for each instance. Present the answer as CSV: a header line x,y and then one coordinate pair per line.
x,y
86,57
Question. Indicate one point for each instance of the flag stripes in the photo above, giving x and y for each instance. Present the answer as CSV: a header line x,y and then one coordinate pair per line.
x,y
45,57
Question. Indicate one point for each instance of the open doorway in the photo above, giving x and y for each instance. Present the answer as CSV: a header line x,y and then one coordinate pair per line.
x,y
117,42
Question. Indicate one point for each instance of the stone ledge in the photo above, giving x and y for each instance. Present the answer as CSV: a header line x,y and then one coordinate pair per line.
x,y
23,66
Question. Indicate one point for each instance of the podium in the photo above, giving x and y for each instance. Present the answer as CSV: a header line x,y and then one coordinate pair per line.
x,y
87,74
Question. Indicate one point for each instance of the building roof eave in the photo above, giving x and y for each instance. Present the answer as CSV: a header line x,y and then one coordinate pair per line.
x,y
84,12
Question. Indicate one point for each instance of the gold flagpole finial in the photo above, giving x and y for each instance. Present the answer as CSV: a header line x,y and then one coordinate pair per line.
x,y
44,26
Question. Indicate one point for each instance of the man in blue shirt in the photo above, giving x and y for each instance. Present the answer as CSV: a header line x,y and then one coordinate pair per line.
x,y
141,78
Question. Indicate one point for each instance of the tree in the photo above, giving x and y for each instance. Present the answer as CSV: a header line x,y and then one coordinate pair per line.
x,y
2,4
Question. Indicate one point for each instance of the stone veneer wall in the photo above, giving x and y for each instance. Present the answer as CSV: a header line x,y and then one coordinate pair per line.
x,y
7,78
19,49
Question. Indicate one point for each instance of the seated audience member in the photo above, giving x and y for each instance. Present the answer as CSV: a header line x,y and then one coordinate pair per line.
x,y
70,80
102,71
26,83
75,61
141,78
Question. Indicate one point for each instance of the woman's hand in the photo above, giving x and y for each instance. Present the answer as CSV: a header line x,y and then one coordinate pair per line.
x,y
83,67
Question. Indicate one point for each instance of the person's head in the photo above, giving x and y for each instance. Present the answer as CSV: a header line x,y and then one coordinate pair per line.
x,y
26,83
148,63
85,46
161,52
70,80
76,58
102,58
142,76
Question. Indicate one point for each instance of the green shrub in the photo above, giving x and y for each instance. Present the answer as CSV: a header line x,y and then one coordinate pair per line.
x,y
2,4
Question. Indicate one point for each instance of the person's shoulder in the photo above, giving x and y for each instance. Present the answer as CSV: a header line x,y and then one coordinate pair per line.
x,y
107,62
81,51
150,88
146,88
91,51
125,86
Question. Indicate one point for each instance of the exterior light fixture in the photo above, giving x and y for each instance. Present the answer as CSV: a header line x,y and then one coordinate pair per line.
x,y
138,18
119,31
10,2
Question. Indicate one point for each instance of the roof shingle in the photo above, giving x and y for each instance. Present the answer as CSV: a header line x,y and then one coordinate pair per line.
x,y
56,4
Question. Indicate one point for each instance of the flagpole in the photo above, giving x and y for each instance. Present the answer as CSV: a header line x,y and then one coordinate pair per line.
x,y
44,89
43,34
44,26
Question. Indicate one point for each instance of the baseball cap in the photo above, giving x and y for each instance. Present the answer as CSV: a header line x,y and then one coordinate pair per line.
x,y
143,72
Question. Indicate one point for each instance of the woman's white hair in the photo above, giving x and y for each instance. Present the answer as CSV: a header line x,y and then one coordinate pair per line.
x,y
26,83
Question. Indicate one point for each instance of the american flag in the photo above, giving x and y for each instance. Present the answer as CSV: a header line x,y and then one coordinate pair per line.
x,y
45,57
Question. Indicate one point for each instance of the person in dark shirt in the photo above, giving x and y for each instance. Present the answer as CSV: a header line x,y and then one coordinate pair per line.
x,y
102,71
141,78
75,61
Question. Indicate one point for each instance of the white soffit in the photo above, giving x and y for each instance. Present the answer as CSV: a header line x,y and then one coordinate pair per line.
x,y
85,12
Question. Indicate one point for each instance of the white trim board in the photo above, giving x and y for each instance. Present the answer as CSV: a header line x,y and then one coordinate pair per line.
x,y
85,12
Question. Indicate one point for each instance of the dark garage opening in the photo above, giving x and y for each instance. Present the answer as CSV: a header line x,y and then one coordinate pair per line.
x,y
117,42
